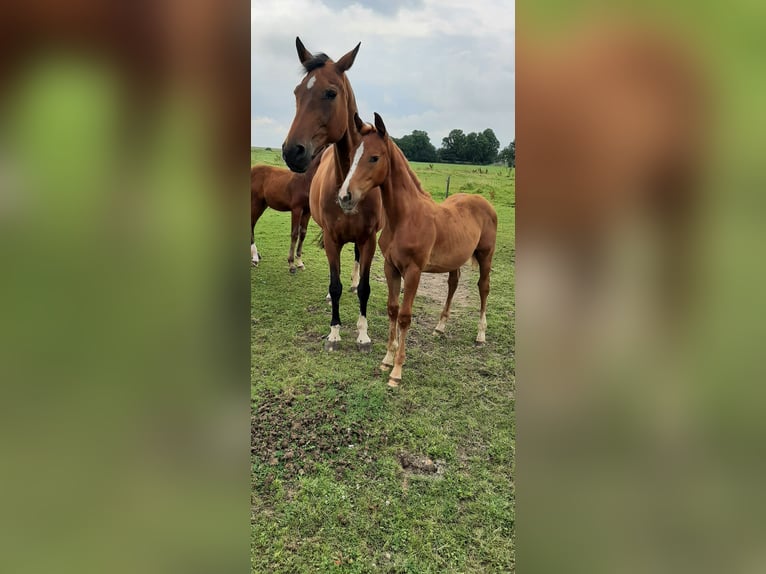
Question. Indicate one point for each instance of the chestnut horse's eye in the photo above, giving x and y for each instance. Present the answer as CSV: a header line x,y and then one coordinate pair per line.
x,y
330,94
374,158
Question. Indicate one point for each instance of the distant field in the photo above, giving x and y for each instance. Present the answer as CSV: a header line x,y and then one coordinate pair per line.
x,y
340,463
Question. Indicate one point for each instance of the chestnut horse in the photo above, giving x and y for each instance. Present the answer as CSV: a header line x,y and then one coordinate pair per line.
x,y
325,110
281,190
420,236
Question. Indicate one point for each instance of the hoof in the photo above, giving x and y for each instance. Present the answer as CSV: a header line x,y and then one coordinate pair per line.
x,y
393,382
438,333
479,343
384,367
301,266
331,346
292,270
364,347
253,263
353,289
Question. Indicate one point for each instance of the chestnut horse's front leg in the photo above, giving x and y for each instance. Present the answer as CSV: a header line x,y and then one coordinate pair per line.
x,y
394,281
412,275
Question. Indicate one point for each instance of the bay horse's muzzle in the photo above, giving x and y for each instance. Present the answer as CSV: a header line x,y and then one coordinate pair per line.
x,y
296,156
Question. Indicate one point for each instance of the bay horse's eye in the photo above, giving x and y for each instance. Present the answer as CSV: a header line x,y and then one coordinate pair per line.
x,y
330,94
374,158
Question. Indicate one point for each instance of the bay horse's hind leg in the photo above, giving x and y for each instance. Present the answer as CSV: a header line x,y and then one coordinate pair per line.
x,y
355,272
304,224
295,228
336,288
454,276
363,341
485,266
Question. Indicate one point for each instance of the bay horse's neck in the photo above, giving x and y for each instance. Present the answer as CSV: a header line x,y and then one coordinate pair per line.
x,y
349,140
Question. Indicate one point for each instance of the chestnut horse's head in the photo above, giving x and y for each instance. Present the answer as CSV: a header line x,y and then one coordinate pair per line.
x,y
322,102
369,166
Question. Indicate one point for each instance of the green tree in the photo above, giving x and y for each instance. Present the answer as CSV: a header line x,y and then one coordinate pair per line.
x,y
453,147
508,154
417,146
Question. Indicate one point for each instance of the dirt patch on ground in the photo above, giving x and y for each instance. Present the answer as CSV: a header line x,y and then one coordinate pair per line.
x,y
421,465
293,432
434,286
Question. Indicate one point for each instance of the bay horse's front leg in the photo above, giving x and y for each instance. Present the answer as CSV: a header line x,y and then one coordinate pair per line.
x,y
412,275
305,216
332,250
366,253
295,228
393,281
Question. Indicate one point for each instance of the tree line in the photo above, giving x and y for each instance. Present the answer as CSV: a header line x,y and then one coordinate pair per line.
x,y
458,147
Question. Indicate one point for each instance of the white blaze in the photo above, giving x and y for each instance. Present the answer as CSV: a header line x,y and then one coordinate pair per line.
x,y
354,164
310,83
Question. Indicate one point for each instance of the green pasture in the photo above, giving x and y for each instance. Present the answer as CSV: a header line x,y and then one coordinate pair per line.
x,y
351,476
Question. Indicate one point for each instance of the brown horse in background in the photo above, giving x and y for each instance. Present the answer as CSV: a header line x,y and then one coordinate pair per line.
x,y
325,110
420,236
281,190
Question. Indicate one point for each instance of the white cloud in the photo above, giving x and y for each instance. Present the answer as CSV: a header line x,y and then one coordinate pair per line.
x,y
433,65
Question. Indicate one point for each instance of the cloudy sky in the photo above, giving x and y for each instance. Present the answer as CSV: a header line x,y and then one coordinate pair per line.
x,y
432,65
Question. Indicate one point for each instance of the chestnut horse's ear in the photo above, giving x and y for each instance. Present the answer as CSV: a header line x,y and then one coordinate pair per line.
x,y
347,61
303,54
380,126
358,122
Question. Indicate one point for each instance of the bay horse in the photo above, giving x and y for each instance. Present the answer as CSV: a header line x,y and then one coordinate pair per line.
x,y
420,235
325,110
281,190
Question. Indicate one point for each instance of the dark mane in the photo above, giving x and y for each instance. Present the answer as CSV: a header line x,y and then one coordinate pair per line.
x,y
316,61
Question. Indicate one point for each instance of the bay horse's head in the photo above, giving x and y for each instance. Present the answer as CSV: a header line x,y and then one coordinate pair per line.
x,y
370,164
322,106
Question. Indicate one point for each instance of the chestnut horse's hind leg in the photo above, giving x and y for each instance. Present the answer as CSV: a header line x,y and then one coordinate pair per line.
x,y
295,229
355,272
304,224
393,281
454,276
405,318
256,210
363,341
332,250
485,266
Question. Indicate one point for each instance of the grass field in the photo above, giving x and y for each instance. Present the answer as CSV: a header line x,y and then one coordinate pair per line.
x,y
351,476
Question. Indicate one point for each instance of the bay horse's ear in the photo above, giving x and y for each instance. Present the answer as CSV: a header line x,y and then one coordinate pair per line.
x,y
347,61
358,122
303,54
380,126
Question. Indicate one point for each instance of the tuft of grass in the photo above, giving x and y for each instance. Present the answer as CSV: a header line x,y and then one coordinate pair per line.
x,y
330,493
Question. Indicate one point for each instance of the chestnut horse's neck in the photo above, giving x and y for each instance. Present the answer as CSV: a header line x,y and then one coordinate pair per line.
x,y
401,191
349,140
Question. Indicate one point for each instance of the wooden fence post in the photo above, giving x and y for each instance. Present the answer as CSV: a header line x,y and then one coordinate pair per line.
x,y
446,195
